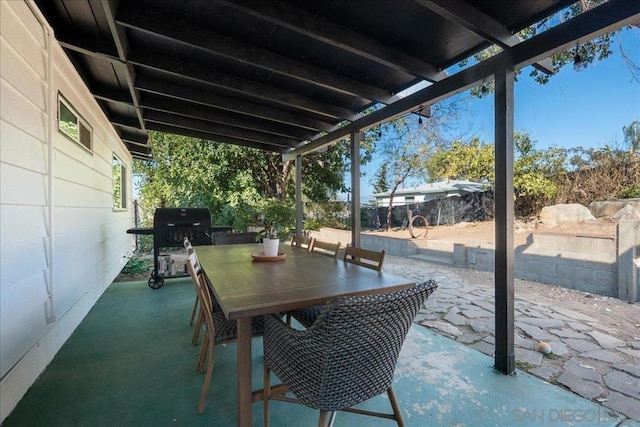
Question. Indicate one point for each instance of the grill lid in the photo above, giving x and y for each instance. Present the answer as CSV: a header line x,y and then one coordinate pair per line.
x,y
197,218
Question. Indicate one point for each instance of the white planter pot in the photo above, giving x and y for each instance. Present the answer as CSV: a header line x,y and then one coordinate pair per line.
x,y
271,246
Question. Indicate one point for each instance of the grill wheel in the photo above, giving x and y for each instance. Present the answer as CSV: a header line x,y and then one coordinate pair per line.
x,y
156,282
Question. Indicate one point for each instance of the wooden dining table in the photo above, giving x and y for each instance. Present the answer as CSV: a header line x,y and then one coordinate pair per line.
x,y
246,287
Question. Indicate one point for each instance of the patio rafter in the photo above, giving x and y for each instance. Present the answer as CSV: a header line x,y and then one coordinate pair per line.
x,y
100,48
133,137
605,18
208,76
174,91
122,45
480,23
309,65
161,127
218,129
314,26
122,121
138,151
214,115
109,95
206,40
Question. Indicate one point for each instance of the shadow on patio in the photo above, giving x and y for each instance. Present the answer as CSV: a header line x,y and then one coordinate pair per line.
x,y
131,362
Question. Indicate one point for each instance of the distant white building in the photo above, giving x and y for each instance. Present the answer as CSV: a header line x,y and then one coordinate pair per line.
x,y
427,192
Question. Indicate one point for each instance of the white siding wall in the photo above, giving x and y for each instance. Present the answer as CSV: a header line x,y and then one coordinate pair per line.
x,y
417,197
90,243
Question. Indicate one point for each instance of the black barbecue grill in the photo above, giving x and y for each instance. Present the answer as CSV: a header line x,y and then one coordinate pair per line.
x,y
170,227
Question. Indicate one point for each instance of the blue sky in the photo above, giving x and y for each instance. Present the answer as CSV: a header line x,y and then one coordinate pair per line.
x,y
586,108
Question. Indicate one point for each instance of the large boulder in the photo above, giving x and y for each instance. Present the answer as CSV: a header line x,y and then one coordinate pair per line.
x,y
627,213
552,215
608,208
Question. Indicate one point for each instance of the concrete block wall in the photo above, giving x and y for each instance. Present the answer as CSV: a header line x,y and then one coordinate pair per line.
x,y
636,266
391,245
586,263
628,254
607,266
474,257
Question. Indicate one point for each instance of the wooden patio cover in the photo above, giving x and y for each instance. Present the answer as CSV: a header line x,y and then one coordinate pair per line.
x,y
292,76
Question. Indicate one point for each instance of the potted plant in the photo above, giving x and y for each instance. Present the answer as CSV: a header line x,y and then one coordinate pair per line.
x,y
278,219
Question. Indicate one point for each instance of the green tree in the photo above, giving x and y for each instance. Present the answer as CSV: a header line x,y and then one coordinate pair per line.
x,y
193,172
405,143
472,161
229,179
535,175
403,153
380,183
535,171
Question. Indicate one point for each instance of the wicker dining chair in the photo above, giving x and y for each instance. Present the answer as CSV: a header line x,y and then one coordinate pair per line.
x,y
363,257
348,356
307,315
217,329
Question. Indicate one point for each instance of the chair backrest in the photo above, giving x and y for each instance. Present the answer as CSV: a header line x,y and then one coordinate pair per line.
x,y
364,257
222,330
303,242
325,248
357,341
202,290
234,238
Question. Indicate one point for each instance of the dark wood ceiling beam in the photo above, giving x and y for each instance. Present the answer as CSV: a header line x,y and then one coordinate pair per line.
x,y
109,95
138,151
213,115
133,137
96,48
100,49
207,41
474,20
196,96
607,17
160,127
134,143
123,121
316,27
141,156
122,46
217,129
183,69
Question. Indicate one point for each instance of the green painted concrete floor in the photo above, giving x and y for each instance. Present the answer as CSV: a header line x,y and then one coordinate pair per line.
x,y
131,363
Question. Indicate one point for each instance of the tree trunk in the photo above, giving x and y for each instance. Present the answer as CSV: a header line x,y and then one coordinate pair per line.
x,y
390,208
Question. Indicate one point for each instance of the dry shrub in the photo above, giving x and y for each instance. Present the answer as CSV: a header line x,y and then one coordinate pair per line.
x,y
610,176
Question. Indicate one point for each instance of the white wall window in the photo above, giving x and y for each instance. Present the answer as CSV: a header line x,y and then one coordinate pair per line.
x,y
73,125
119,184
